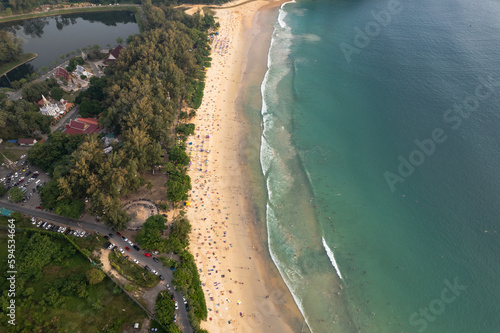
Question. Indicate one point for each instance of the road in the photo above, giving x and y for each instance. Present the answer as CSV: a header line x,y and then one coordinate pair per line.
x,y
182,321
17,95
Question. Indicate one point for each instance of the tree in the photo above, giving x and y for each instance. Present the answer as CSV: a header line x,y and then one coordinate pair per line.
x,y
94,276
165,308
178,155
185,129
33,92
180,230
3,189
15,194
56,93
150,234
11,47
119,40
90,108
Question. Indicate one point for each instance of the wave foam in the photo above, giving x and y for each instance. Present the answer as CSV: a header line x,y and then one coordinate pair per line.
x,y
329,252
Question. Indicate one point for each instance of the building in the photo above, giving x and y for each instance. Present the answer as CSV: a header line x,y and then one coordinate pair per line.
x,y
26,142
79,71
82,126
50,109
61,72
113,55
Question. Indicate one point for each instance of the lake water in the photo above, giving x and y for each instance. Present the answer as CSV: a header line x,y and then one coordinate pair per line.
x,y
51,37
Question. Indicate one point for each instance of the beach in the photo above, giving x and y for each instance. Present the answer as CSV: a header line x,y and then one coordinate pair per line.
x,y
243,288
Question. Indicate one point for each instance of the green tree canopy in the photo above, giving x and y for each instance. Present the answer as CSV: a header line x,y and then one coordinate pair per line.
x,y
11,47
94,276
15,194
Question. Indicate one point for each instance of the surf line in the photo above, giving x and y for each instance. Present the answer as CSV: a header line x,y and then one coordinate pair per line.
x,y
329,252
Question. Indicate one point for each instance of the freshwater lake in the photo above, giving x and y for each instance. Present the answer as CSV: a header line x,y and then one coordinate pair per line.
x,y
51,37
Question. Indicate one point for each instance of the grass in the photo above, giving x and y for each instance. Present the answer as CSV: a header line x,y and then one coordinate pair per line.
x,y
68,11
117,312
7,67
133,272
11,154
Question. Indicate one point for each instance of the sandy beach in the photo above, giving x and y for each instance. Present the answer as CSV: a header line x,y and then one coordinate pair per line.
x,y
243,288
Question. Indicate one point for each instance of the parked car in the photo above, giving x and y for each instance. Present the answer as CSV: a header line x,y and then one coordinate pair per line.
x,y
147,268
156,259
161,277
106,237
136,248
176,305
184,300
111,235
147,255
154,272
118,234
121,250
136,261
127,248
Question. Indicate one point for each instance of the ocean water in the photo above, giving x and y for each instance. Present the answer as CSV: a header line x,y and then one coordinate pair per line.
x,y
381,153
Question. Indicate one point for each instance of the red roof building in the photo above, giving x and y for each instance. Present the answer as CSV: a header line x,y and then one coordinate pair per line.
x,y
113,55
26,142
62,72
82,126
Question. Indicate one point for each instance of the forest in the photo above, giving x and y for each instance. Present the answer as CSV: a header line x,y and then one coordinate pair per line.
x,y
157,75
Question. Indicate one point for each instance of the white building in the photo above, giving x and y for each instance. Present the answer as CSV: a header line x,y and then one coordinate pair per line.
x,y
50,109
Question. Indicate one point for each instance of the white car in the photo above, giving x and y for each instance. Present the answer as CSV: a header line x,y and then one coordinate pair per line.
x,y
130,242
176,305
184,300
121,250
154,272
136,261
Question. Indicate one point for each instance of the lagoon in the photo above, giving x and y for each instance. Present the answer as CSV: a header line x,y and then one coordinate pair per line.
x,y
54,36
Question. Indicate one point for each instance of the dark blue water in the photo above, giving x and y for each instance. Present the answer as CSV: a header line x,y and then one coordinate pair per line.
x,y
382,138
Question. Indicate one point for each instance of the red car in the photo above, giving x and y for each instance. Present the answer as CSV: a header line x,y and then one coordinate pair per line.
x,y
118,234
127,248
147,254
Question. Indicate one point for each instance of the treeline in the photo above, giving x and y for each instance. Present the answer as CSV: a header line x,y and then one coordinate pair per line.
x,y
154,235
165,308
11,47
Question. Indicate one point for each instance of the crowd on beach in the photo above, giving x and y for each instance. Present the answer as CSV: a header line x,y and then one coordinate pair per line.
x,y
210,242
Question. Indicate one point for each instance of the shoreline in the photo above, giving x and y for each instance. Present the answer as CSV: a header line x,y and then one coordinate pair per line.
x,y
229,239
32,56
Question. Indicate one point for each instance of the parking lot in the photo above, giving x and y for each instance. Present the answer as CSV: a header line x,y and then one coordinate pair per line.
x,y
51,226
27,178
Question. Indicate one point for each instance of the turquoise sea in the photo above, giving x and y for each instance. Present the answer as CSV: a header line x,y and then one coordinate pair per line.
x,y
381,155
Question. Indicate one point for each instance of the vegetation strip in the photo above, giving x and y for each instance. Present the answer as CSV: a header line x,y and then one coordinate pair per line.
x,y
5,68
68,11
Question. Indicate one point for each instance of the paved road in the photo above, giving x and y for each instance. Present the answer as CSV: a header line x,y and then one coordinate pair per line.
x,y
182,321
17,94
